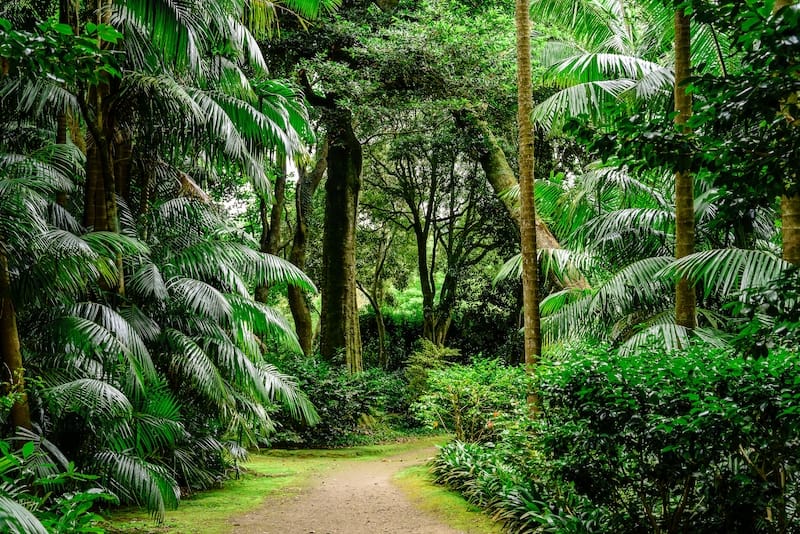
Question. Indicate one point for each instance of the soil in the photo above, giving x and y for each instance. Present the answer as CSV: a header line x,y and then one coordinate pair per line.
x,y
356,497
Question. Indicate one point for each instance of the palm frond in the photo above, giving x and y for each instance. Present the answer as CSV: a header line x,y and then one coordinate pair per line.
x,y
90,398
727,271
264,320
137,481
16,519
588,98
200,298
198,370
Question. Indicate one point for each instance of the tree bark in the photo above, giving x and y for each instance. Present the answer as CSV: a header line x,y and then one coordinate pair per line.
x,y
790,203
11,351
527,215
307,184
502,178
684,183
339,315
271,220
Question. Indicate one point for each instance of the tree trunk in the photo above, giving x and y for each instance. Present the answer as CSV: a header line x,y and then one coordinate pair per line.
x,y
339,316
11,352
790,203
298,304
527,214
271,220
684,183
501,177
61,139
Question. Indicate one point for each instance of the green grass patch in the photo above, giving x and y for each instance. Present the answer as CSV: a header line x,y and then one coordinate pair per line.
x,y
447,505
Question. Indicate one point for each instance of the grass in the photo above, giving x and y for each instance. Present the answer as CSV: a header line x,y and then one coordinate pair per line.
x,y
450,507
288,472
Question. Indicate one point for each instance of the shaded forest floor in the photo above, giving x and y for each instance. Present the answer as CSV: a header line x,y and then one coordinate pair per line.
x,y
383,489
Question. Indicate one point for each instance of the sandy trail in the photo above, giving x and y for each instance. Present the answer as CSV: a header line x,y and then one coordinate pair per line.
x,y
357,497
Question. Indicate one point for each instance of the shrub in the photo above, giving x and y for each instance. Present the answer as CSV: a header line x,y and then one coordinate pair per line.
x,y
521,502
698,441
473,401
348,405
427,358
37,495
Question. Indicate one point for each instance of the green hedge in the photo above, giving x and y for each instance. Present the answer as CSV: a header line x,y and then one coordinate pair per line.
x,y
696,441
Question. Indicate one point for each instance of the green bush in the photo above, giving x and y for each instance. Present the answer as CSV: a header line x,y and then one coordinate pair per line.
x,y
349,406
697,441
37,495
522,502
475,402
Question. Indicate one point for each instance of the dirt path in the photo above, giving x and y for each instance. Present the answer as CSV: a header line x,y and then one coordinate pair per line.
x,y
357,497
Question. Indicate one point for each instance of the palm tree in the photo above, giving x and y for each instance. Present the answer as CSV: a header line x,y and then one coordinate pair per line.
x,y
530,284
620,232
684,184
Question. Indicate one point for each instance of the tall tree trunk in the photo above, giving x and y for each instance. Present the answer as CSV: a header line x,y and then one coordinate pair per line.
x,y
10,348
790,203
271,219
339,317
307,184
684,183
527,215
62,127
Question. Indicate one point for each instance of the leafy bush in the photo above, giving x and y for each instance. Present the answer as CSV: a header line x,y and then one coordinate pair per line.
x,y
39,496
348,405
698,441
473,401
522,502
428,357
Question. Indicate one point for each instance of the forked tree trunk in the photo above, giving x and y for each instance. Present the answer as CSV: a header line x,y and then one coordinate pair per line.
x,y
11,352
527,215
339,316
684,183
307,184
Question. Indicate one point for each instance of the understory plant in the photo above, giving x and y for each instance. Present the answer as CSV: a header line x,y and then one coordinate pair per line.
x,y
475,402
41,492
703,440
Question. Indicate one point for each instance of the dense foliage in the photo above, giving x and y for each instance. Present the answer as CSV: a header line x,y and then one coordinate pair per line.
x,y
177,178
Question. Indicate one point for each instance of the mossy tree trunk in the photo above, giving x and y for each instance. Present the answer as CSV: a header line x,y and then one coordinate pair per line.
x,y
11,350
790,202
339,330
684,183
307,185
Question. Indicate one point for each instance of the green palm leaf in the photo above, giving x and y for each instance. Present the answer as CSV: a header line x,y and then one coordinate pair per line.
x,y
138,481
727,271
16,519
91,398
